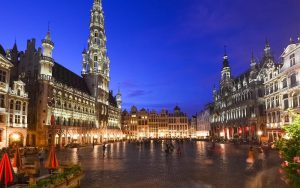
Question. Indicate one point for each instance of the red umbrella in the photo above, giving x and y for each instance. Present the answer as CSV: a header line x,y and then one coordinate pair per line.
x,y
6,173
17,161
52,162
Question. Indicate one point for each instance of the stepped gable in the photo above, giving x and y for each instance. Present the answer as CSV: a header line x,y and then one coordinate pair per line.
x,y
69,78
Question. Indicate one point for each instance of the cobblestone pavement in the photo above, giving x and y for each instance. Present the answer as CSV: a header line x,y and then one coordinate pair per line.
x,y
132,166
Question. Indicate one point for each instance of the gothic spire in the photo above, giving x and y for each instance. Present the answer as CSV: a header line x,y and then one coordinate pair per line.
x,y
267,49
253,62
15,47
225,58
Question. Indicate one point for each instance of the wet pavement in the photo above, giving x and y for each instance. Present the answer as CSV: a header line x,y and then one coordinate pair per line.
x,y
130,165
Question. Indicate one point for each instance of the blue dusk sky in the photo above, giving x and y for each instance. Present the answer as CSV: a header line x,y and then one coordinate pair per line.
x,y
163,52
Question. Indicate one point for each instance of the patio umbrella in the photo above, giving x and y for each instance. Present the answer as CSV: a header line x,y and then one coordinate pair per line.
x,y
17,161
52,162
6,173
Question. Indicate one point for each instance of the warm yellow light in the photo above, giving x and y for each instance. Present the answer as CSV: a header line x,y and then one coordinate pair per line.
x,y
222,134
259,133
75,136
16,137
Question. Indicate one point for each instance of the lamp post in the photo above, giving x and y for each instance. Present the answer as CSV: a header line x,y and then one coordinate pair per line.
x,y
259,133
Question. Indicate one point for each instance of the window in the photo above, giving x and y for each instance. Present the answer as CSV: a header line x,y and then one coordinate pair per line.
x,y
277,101
11,105
267,90
23,119
293,80
295,101
2,103
268,104
2,118
285,102
275,86
11,118
95,58
2,76
17,119
292,60
24,106
18,105
284,83
286,118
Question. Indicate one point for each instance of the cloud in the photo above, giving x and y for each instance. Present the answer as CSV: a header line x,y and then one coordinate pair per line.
x,y
138,93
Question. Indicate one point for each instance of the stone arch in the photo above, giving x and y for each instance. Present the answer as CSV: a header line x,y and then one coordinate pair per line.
x,y
16,138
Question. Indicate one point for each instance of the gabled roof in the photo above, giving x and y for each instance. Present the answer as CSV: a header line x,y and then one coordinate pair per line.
x,y
69,78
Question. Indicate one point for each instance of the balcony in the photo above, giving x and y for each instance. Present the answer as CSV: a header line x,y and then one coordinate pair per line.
x,y
45,58
48,42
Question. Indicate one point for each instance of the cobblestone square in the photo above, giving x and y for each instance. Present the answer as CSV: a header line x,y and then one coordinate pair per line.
x,y
132,165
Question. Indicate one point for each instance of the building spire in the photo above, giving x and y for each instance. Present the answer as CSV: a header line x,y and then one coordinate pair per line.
x,y
15,47
253,62
225,58
267,49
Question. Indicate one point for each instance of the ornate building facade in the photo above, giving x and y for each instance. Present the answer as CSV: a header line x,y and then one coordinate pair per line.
x,y
203,128
150,124
283,90
63,106
13,105
238,108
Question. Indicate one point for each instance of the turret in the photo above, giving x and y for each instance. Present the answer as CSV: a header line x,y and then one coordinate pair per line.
x,y
46,60
119,99
252,62
225,73
267,49
48,45
84,62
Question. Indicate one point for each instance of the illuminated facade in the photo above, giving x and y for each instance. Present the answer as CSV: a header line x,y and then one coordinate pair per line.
x,y
144,124
13,105
63,106
238,108
282,90
203,127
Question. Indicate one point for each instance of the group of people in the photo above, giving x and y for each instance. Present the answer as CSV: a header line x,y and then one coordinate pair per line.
x,y
255,157
170,148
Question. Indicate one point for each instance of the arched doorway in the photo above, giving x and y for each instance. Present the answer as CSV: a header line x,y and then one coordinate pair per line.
x,y
16,138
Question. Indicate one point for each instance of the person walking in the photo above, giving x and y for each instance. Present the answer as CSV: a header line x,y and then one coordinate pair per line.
x,y
41,156
178,150
260,157
103,148
250,158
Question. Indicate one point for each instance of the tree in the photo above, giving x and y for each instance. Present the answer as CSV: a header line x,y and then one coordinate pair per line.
x,y
289,150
